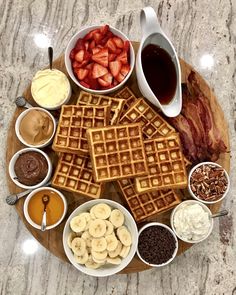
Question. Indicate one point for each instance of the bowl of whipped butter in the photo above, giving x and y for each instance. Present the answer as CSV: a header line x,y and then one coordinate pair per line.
x,y
50,89
191,221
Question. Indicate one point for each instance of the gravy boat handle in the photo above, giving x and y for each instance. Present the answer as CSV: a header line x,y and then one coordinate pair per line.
x,y
149,22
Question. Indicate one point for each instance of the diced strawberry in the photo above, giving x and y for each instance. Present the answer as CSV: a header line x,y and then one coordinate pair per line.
x,y
83,63
79,44
118,51
104,40
93,83
125,70
101,57
82,73
92,44
89,66
98,71
111,45
110,34
112,57
105,80
115,67
87,55
123,57
90,34
72,53
107,87
115,82
86,45
104,29
75,64
79,55
97,37
120,77
85,84
126,46
119,42
95,50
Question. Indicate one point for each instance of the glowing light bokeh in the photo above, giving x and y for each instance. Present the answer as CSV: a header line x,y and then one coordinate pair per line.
x,y
30,246
42,41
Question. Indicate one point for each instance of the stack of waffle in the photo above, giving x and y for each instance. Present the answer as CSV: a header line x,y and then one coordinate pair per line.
x,y
121,139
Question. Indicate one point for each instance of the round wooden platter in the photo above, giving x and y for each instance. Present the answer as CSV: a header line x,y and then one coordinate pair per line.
x,y
52,239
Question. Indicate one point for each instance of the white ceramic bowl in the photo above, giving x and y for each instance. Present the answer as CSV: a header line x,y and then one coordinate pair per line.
x,y
173,216
71,45
174,236
192,193
12,170
26,213
106,270
17,128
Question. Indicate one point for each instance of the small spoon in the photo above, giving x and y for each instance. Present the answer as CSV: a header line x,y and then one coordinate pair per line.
x,y
22,102
45,200
12,199
50,56
219,214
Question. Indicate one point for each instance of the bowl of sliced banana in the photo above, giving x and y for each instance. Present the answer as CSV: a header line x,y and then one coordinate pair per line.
x,y
100,238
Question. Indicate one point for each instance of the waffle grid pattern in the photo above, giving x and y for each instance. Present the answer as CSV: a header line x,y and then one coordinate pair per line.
x,y
117,152
73,123
166,165
74,173
146,205
128,96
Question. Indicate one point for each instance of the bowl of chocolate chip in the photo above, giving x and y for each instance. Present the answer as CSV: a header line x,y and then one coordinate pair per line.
x,y
208,182
30,168
157,244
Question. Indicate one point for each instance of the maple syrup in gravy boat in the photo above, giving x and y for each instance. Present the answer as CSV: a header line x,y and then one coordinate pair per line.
x,y
157,66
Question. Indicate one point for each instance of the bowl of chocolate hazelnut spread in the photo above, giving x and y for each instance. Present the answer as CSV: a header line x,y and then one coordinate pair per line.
x,y
35,127
30,168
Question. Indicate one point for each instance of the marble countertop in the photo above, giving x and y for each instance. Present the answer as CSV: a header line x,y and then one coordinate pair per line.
x,y
204,34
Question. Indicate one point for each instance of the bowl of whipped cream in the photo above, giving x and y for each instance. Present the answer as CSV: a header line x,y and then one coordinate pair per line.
x,y
191,221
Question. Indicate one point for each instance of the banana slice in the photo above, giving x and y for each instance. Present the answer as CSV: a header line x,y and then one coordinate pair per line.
x,y
81,259
86,215
88,223
78,223
124,236
97,228
70,238
78,246
109,228
119,228
117,251
112,242
102,211
99,245
101,262
88,238
124,251
91,212
115,261
91,263
99,255
117,218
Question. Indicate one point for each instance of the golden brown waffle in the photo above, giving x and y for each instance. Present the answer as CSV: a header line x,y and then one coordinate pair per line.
x,y
153,124
128,96
116,104
166,165
145,205
117,152
74,121
74,174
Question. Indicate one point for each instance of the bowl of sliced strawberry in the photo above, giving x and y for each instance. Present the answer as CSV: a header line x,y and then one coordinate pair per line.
x,y
99,59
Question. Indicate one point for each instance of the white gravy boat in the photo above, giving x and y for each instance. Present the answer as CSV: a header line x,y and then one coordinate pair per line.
x,y
153,34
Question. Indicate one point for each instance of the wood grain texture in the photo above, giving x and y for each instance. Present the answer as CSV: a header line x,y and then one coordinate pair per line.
x,y
197,29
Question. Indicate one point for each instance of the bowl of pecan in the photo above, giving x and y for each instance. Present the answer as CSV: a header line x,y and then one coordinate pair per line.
x,y
208,182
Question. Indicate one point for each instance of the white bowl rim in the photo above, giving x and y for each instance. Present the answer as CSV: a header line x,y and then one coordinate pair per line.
x,y
191,202
203,201
55,107
17,127
26,213
12,171
116,268
173,234
67,59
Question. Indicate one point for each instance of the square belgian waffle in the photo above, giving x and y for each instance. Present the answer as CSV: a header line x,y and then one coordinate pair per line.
x,y
117,152
73,122
166,165
146,205
153,124
116,104
128,96
74,174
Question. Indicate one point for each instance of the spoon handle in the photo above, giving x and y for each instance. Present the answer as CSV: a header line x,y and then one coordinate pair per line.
x,y
221,213
50,56
43,225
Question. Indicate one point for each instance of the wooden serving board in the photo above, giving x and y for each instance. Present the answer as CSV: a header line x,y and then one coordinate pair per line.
x,y
52,239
